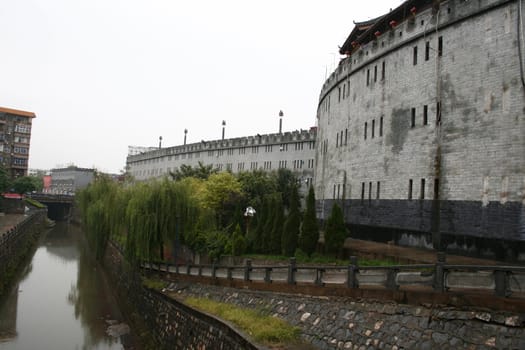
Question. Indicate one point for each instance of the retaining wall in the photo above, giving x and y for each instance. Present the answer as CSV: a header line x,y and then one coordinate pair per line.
x,y
349,323
16,242
172,325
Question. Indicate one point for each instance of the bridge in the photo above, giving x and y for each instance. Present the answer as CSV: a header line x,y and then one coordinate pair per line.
x,y
58,205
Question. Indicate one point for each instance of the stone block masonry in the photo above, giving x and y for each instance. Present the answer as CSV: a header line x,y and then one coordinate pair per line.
x,y
420,128
172,325
343,323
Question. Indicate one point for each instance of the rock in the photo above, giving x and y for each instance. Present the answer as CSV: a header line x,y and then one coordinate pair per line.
x,y
483,316
513,321
117,330
491,342
305,316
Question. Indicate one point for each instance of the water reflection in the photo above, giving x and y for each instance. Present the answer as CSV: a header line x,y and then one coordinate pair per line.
x,y
64,301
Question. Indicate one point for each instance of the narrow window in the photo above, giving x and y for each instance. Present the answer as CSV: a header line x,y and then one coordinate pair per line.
x,y
438,113
339,98
381,126
362,191
337,140
422,193
341,139
375,74
436,189
415,56
338,189
378,189
440,46
427,50
346,137
367,77
413,118
425,115
334,192
410,183
344,90
383,71
373,127
366,129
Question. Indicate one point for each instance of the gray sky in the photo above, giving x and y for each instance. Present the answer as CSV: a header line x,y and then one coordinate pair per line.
x,y
104,74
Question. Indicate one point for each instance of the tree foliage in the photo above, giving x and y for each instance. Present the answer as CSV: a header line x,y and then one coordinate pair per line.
x,y
26,184
200,171
335,231
292,224
309,230
5,181
277,224
285,182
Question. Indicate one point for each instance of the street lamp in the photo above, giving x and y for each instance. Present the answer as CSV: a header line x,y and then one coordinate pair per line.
x,y
248,214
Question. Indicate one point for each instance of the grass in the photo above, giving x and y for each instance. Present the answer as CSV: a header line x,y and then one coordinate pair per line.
x,y
262,327
320,259
153,283
34,203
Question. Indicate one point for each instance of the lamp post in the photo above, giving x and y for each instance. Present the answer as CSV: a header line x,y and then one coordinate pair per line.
x,y
248,214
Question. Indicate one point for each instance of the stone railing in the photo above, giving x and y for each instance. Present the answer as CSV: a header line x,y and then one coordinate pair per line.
x,y
503,281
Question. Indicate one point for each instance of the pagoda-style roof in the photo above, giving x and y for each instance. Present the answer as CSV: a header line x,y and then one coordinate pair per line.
x,y
367,31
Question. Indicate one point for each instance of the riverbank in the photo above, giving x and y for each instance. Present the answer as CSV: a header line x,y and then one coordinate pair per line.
x,y
347,323
18,236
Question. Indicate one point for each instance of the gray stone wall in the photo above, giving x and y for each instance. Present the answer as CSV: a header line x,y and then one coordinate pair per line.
x,y
342,323
474,152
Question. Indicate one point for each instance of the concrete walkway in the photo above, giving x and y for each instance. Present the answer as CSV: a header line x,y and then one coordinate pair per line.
x,y
8,221
403,255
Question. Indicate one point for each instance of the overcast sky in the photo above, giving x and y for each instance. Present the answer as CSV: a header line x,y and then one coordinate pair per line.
x,y
105,74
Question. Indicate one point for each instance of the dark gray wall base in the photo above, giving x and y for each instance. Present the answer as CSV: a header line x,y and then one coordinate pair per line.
x,y
495,231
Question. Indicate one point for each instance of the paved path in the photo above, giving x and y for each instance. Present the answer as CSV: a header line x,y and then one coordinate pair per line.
x,y
8,221
375,249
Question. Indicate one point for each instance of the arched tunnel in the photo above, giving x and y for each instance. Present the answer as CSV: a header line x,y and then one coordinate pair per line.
x,y
58,211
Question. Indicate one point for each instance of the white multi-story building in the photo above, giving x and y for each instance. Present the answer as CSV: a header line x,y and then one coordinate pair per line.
x,y
289,150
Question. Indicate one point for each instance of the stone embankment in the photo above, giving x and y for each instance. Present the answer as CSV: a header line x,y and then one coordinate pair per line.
x,y
18,233
343,323
168,323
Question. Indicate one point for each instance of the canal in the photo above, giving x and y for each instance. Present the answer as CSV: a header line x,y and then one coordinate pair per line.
x,y
62,300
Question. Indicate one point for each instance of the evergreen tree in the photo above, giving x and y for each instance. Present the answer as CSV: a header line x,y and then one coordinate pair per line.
x,y
238,243
278,222
290,235
309,230
262,215
268,223
335,232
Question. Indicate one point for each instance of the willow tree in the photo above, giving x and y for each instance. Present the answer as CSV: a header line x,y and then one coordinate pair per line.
x,y
155,214
96,203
